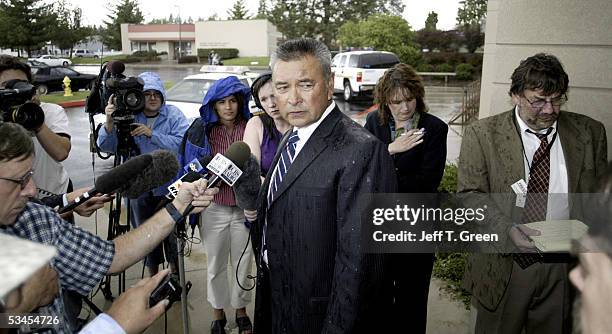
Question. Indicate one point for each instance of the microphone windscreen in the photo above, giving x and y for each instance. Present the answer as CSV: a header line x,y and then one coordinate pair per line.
x,y
163,168
238,152
247,186
122,174
115,67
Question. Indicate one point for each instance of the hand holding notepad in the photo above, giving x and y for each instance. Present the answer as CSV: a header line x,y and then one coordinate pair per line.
x,y
557,235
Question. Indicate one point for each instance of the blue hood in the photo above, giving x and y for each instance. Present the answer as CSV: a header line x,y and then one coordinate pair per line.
x,y
221,89
152,81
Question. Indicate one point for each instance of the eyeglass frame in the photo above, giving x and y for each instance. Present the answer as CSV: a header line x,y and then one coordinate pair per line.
x,y
22,181
150,94
556,102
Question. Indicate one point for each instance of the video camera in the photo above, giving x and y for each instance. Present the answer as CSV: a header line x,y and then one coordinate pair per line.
x,y
15,105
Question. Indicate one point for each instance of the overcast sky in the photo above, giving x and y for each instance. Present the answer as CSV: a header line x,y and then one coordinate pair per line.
x,y
95,11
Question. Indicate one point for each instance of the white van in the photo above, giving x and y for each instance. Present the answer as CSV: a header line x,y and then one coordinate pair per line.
x,y
82,53
357,72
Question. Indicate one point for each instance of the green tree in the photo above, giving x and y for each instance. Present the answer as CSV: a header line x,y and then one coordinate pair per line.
x,y
262,10
471,12
126,11
323,18
69,30
26,24
238,11
432,21
382,32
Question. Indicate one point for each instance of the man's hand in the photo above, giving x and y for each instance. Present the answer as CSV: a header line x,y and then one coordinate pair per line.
x,y
407,141
195,194
131,310
141,130
109,110
250,215
91,205
39,290
518,235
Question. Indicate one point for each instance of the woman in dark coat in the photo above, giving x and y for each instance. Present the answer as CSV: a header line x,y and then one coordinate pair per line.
x,y
417,143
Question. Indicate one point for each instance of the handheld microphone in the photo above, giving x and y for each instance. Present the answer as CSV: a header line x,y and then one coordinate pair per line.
x,y
246,188
136,176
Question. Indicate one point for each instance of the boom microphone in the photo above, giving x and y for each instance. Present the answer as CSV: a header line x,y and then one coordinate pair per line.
x,y
248,185
115,67
162,169
112,180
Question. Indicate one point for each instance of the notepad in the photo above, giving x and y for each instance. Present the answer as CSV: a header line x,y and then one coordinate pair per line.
x,y
557,235
19,259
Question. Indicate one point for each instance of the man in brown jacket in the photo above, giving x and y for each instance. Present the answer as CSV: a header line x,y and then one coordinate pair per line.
x,y
548,151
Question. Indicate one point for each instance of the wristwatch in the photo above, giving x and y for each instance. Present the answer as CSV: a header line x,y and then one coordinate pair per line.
x,y
174,213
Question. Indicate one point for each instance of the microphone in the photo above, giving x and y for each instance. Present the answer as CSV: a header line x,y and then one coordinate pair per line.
x,y
248,185
162,169
115,67
135,176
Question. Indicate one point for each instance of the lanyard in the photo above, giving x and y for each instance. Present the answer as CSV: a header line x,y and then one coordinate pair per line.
x,y
548,147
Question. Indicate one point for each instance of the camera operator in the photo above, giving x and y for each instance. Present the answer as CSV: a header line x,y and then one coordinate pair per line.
x,y
83,259
52,139
159,126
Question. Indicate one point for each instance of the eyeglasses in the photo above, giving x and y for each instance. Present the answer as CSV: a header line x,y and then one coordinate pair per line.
x,y
22,181
151,95
540,103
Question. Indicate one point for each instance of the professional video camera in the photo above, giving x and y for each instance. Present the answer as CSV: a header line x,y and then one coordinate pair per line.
x,y
15,105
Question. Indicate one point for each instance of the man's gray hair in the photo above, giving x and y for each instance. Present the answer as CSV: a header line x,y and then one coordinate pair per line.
x,y
296,49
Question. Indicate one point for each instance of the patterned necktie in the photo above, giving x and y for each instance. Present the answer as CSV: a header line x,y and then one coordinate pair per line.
x,y
285,161
537,194
539,176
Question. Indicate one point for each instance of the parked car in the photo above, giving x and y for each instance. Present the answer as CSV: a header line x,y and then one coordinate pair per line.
x,y
82,53
51,79
357,72
188,93
53,60
35,65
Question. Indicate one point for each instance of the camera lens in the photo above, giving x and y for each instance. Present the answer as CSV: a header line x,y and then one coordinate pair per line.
x,y
134,99
29,115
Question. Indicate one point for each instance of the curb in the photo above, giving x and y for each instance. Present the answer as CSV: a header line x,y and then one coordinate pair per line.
x,y
72,104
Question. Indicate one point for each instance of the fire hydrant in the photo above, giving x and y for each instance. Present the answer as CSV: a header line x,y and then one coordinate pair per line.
x,y
67,90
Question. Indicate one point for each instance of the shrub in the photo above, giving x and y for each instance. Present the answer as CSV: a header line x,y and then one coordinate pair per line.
x,y
408,55
444,68
223,53
449,267
188,59
464,71
425,68
131,59
449,179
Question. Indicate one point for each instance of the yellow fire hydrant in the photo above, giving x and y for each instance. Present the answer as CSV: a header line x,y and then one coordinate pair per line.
x,y
67,90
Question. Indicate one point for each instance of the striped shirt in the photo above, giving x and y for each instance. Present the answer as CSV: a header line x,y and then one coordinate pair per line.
x,y
220,140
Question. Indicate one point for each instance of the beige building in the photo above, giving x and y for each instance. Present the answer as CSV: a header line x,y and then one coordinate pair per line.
x,y
252,38
579,33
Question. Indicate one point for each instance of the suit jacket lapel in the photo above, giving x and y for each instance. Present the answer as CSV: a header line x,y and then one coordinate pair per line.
x,y
315,145
573,145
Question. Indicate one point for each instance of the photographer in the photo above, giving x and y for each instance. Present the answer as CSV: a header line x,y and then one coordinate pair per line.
x,y
159,126
52,139
83,259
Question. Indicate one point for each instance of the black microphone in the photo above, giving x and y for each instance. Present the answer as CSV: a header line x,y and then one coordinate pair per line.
x,y
112,180
135,177
115,67
162,169
246,188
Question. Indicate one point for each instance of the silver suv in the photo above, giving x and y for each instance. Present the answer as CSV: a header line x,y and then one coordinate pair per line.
x,y
82,53
357,72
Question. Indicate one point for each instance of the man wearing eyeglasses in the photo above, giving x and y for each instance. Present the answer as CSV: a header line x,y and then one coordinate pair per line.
x,y
83,259
159,126
539,154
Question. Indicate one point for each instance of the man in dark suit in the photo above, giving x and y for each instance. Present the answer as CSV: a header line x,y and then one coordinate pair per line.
x,y
550,152
312,274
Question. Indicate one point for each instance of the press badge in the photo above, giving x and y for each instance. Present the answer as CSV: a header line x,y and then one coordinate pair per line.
x,y
520,189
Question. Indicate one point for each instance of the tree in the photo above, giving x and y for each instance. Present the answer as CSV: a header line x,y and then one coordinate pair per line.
x,y
382,32
213,17
469,18
26,24
323,18
238,11
69,30
126,11
471,12
262,10
431,21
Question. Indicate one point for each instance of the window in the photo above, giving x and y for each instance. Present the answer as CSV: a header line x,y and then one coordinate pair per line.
x,y
378,60
353,61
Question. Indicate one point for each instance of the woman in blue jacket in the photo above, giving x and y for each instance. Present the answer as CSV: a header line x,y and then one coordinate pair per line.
x,y
158,127
223,117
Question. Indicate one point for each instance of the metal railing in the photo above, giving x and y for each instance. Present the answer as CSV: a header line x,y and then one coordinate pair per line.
x,y
470,106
